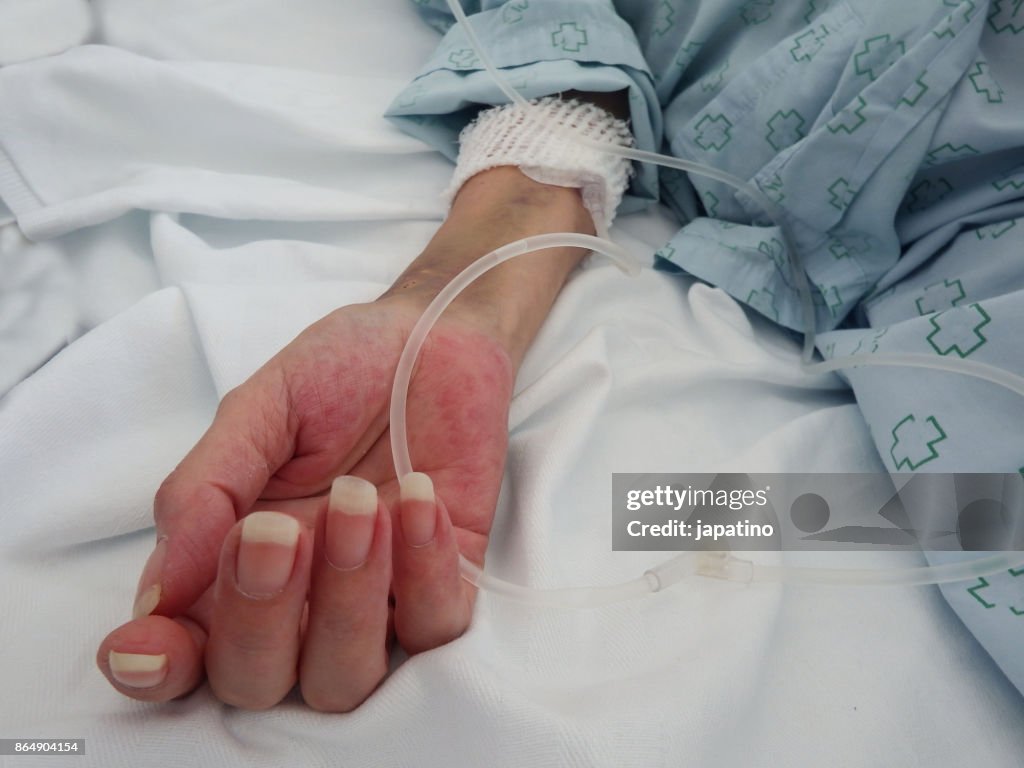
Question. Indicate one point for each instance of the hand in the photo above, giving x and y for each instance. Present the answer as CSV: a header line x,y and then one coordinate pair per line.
x,y
316,411
258,601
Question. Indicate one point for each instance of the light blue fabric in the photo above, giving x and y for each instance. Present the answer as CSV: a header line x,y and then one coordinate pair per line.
x,y
892,135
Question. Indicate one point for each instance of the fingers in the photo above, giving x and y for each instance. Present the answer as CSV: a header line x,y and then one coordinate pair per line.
x,y
154,658
344,657
262,638
253,650
220,478
432,603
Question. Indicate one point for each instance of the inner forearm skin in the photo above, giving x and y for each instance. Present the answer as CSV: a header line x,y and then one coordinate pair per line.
x,y
494,208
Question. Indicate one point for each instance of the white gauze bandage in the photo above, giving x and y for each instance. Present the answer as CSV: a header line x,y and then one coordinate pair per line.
x,y
507,135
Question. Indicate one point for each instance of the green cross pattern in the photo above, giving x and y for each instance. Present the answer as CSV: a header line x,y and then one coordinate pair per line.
x,y
522,80
841,194
672,180
836,302
664,18
922,89
764,302
813,9
807,44
995,230
949,28
773,188
1012,179
1007,16
984,84
874,342
569,37
983,583
947,153
880,53
958,331
688,53
849,120
713,132
774,250
1015,572
946,30
464,58
973,592
714,80
843,245
711,202
839,250
913,441
756,11
411,96
513,12
785,129
968,10
940,296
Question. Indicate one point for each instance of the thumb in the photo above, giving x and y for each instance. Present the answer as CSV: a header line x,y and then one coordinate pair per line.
x,y
215,484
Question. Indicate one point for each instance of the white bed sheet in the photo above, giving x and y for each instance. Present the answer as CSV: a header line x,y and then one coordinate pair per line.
x,y
158,294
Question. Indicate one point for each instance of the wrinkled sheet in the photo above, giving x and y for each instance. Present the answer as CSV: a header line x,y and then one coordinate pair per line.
x,y
142,298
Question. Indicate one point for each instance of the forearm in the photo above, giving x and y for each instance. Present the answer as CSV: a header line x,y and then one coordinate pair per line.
x,y
494,208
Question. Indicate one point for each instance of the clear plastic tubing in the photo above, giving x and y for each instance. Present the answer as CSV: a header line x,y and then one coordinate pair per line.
x,y
710,564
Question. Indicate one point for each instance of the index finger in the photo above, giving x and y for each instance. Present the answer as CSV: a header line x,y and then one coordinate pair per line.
x,y
216,483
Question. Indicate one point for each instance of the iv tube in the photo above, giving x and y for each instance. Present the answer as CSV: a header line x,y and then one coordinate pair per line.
x,y
717,565
711,564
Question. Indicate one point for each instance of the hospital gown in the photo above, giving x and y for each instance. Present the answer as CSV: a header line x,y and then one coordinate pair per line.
x,y
891,134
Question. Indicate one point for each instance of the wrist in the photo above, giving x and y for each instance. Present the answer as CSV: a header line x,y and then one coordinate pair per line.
x,y
493,208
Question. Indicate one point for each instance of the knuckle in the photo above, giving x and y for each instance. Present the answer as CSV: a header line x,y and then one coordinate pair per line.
x,y
164,502
177,495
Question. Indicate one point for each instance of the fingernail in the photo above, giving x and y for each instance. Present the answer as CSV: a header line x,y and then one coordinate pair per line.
x,y
148,594
138,670
419,512
266,553
351,516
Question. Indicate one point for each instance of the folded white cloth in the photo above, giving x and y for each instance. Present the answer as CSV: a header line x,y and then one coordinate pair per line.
x,y
652,374
33,28
168,138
